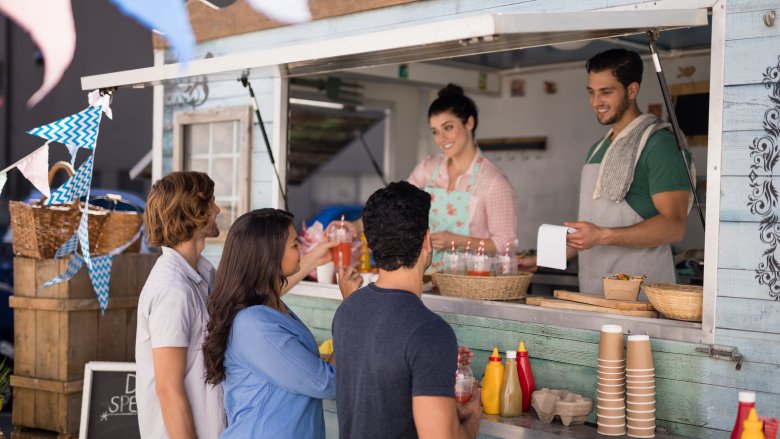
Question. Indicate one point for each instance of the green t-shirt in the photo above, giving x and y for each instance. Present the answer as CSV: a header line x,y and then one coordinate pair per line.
x,y
659,169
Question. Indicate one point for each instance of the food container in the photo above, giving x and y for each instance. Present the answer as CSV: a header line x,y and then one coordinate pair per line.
x,y
622,287
571,407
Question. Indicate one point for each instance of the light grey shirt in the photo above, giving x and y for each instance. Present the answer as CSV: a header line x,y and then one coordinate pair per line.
x,y
172,313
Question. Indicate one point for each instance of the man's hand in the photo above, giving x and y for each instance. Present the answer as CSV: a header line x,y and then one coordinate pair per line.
x,y
471,412
586,236
464,356
349,280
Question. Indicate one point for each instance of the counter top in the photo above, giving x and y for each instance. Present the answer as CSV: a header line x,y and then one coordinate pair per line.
x,y
529,426
517,311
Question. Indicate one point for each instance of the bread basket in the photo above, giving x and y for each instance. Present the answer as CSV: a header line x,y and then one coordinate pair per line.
x,y
678,302
483,287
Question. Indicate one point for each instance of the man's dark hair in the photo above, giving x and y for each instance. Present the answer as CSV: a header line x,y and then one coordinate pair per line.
x,y
395,220
625,65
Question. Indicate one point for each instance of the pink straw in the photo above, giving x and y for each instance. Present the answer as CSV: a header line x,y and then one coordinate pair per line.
x,y
468,246
453,245
506,249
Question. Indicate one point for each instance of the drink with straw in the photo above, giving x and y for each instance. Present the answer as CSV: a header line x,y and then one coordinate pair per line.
x,y
481,263
342,253
506,264
453,261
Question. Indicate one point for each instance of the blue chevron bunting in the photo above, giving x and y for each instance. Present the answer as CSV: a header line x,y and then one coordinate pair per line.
x,y
100,275
73,268
67,247
83,233
77,130
74,187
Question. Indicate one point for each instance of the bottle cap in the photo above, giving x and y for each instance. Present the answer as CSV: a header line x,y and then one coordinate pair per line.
x,y
495,356
521,348
747,396
511,355
752,423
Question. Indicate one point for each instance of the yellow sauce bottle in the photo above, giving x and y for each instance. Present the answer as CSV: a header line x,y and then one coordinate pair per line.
x,y
511,393
365,258
491,384
752,427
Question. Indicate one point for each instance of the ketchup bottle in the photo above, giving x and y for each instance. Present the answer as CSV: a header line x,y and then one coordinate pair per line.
x,y
747,401
525,375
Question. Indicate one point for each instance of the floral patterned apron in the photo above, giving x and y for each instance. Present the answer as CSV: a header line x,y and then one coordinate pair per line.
x,y
449,210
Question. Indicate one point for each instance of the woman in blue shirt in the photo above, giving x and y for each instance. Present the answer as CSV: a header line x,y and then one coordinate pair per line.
x,y
266,359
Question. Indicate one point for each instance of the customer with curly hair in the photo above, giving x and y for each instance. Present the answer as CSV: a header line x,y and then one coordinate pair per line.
x,y
397,359
257,348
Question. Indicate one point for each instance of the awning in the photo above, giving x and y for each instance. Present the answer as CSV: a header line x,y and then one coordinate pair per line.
x,y
419,42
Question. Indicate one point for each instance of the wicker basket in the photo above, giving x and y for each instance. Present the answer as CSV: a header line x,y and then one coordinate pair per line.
x,y
483,288
118,227
38,230
678,302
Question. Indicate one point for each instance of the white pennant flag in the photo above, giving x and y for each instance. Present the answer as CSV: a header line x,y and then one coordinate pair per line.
x,y
35,167
288,11
3,179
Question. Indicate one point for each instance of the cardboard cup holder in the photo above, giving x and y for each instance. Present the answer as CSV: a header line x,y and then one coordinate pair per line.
x,y
570,407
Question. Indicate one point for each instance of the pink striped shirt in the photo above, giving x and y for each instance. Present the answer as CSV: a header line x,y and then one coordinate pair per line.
x,y
491,188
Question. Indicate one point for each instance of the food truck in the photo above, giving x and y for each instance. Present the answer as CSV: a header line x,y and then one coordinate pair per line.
x,y
369,72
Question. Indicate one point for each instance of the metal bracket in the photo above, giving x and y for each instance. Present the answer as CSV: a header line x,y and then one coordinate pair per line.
x,y
769,18
717,352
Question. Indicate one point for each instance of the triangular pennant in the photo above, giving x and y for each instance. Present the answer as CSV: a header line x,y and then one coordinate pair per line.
x,y
100,275
124,246
73,268
68,247
168,17
75,186
3,179
288,11
73,150
83,233
35,167
103,102
77,130
50,24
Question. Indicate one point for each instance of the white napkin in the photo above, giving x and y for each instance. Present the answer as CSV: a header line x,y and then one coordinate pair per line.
x,y
551,246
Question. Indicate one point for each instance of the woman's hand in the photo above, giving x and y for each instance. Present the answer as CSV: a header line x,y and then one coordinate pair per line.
x,y
464,356
320,254
442,240
349,280
527,264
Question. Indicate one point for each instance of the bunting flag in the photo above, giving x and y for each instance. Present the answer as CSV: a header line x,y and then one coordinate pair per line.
x,y
100,275
50,24
288,11
74,187
78,130
35,167
3,179
73,268
68,247
103,102
168,17
83,233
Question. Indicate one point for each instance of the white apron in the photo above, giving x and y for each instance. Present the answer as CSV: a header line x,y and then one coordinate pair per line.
x,y
604,260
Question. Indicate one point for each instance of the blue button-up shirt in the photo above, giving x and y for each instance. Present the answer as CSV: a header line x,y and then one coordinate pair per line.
x,y
275,380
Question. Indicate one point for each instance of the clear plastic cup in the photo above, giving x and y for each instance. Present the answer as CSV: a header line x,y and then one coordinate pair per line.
x,y
481,265
453,262
506,265
464,384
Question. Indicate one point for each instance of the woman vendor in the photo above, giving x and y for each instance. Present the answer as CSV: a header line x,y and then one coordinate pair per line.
x,y
471,198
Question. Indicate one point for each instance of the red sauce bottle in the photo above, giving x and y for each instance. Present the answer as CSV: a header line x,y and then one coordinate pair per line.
x,y
525,375
747,401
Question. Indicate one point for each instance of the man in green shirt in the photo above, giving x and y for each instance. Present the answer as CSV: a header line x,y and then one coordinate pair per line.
x,y
634,190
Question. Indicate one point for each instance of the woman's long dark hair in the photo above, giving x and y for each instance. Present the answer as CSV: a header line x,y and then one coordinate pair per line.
x,y
250,273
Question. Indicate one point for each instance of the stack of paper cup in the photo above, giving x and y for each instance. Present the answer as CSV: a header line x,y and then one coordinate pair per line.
x,y
640,387
611,407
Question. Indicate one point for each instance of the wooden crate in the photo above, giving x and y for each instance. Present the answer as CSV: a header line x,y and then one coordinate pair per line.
x,y
34,433
57,330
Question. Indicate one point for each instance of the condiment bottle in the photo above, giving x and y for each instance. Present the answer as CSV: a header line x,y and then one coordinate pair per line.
x,y
747,401
491,384
752,427
525,375
365,257
511,393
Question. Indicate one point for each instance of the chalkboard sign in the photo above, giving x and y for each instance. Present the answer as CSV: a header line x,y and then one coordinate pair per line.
x,y
108,406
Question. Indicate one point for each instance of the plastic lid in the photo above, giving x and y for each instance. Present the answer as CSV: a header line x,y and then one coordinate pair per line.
x,y
638,338
495,356
752,423
612,328
511,355
747,396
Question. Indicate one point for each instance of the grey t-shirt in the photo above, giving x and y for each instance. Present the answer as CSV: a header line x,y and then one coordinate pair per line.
x,y
389,348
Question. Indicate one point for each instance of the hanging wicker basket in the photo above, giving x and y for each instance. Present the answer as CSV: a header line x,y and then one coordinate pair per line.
x,y
39,230
678,302
119,226
483,288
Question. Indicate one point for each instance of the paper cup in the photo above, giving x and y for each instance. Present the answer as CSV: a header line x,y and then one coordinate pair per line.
x,y
602,407
643,389
640,406
605,414
616,382
641,432
611,373
611,362
608,429
641,414
611,343
611,388
648,371
636,397
640,381
325,273
611,403
638,353
611,395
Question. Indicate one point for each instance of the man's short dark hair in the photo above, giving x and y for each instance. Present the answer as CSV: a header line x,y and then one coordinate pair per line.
x,y
395,220
625,65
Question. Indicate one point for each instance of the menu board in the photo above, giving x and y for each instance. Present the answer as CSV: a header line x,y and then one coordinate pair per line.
x,y
108,406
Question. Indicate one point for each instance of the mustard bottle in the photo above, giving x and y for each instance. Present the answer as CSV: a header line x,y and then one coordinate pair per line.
x,y
491,384
365,258
511,393
752,427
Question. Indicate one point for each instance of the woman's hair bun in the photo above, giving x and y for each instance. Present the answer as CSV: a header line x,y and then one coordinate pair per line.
x,y
451,90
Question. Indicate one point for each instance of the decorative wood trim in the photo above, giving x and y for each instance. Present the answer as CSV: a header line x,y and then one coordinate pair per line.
x,y
42,304
54,386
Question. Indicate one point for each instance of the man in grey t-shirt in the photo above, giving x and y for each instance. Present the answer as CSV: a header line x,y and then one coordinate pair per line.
x,y
396,359
173,399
